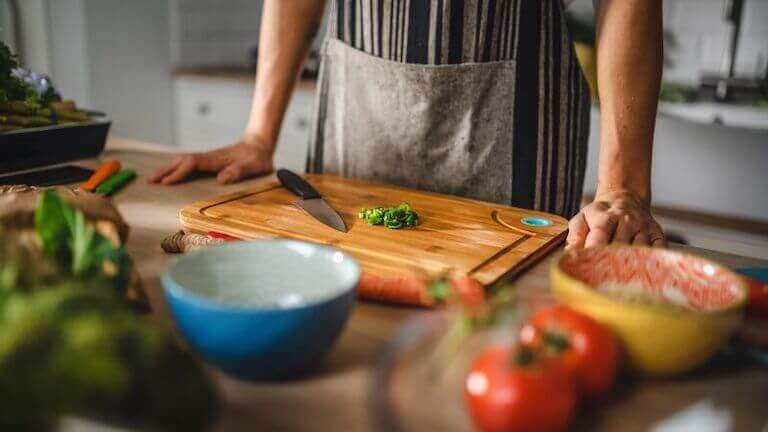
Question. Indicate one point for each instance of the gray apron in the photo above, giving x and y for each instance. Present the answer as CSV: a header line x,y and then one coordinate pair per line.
x,y
439,128
450,128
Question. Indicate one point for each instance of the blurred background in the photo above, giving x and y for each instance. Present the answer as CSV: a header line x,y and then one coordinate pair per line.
x,y
180,73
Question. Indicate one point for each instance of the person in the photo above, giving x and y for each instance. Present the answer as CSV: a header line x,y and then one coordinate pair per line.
x,y
478,98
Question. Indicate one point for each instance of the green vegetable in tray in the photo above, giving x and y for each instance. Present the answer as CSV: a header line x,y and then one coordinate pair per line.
x,y
7,65
401,216
70,346
7,60
14,89
28,121
29,100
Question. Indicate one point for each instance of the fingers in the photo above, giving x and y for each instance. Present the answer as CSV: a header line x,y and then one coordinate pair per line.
x,y
164,171
181,171
656,236
641,239
235,172
233,163
597,237
626,229
618,219
601,229
231,173
577,231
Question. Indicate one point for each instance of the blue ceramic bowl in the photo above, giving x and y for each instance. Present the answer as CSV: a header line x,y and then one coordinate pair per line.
x,y
262,310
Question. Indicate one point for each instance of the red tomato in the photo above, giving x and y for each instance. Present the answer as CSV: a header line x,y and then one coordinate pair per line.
x,y
463,291
757,304
470,293
584,347
509,390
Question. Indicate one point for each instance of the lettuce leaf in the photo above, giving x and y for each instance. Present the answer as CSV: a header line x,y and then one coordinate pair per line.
x,y
73,244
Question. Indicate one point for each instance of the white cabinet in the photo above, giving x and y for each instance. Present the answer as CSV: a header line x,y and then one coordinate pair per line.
x,y
293,143
210,113
213,112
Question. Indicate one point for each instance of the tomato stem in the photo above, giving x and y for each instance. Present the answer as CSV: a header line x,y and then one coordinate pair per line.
x,y
439,289
525,356
557,342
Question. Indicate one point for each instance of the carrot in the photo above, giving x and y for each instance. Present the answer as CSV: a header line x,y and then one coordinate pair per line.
x,y
105,171
409,290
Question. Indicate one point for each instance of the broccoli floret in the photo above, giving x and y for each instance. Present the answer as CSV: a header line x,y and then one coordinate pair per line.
x,y
14,88
7,62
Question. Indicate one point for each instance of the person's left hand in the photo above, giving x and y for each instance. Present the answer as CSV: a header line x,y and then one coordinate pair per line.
x,y
616,216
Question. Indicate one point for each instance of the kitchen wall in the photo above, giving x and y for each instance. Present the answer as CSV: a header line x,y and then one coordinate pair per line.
x,y
35,44
129,66
69,50
214,32
707,168
109,55
6,24
704,167
700,34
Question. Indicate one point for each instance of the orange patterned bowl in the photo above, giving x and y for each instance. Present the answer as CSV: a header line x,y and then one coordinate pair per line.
x,y
671,310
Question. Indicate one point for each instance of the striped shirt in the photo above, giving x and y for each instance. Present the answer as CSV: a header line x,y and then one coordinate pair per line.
x,y
436,31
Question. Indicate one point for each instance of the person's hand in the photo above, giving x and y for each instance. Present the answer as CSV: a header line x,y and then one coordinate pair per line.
x,y
616,216
233,163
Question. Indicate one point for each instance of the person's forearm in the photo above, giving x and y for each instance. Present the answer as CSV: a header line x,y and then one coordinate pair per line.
x,y
629,65
287,30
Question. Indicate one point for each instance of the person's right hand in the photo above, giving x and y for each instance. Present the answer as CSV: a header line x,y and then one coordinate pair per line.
x,y
233,163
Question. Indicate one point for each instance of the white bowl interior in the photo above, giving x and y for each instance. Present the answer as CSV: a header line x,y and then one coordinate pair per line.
x,y
274,274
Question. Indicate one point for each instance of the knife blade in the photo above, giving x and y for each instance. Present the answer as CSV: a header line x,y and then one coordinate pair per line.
x,y
310,200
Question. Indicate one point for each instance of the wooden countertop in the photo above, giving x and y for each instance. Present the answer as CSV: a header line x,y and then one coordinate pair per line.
x,y
336,397
241,75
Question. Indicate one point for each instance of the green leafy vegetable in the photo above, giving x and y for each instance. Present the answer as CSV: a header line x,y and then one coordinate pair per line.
x,y
73,244
401,216
70,346
71,351
51,225
22,264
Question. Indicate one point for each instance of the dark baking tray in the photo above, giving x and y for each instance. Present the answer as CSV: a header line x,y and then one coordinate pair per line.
x,y
36,147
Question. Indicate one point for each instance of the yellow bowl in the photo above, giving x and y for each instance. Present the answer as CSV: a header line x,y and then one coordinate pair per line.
x,y
672,311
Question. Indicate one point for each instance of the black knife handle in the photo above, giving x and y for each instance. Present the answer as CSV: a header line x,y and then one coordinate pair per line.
x,y
296,184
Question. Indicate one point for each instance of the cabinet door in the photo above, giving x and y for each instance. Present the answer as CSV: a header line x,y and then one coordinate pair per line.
x,y
295,132
210,113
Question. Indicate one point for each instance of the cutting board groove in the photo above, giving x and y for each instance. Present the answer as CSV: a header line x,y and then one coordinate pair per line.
x,y
484,240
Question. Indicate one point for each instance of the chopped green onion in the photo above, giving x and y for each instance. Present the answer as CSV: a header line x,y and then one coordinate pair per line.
x,y
401,216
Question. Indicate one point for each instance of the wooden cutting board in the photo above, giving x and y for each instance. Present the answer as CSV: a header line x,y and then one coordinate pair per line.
x,y
483,240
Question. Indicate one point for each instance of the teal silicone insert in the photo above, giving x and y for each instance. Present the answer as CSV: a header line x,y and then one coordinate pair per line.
x,y
536,221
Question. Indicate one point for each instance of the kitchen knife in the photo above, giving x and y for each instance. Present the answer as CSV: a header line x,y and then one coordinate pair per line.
x,y
311,201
